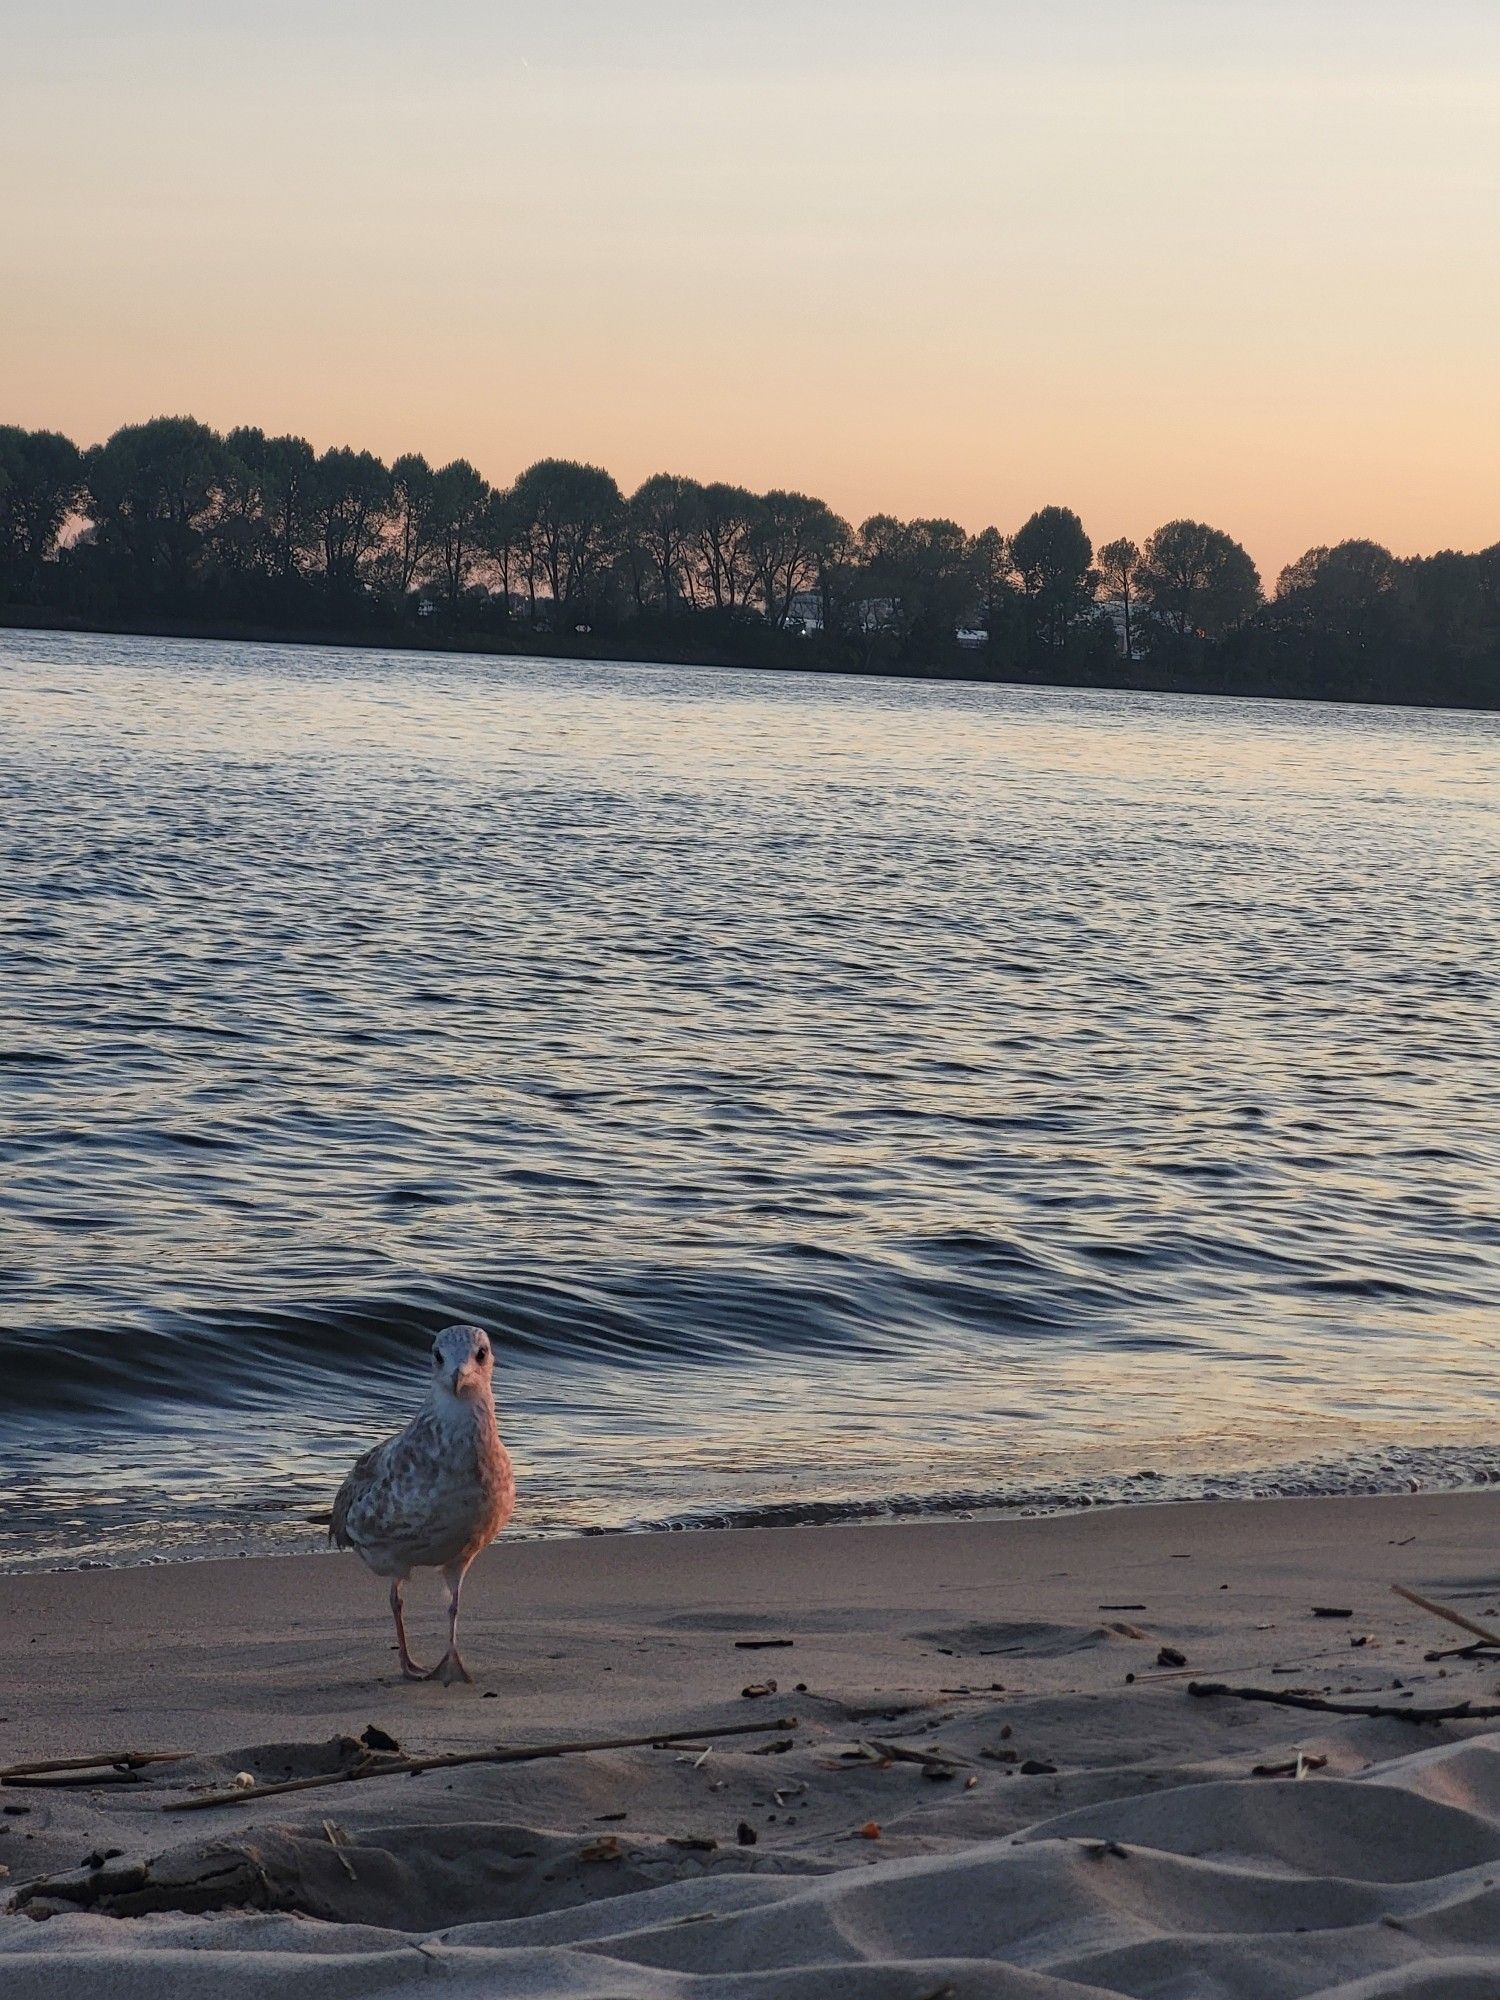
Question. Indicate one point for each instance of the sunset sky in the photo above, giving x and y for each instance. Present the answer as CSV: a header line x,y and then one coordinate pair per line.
x,y
1230,258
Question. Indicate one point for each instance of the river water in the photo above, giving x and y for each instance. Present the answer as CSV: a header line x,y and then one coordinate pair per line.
x,y
837,1096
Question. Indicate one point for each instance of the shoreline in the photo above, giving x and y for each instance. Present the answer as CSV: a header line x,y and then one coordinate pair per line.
x,y
489,647
1472,1468
958,1753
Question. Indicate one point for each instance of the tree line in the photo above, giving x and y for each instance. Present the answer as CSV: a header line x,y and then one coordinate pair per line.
x,y
170,523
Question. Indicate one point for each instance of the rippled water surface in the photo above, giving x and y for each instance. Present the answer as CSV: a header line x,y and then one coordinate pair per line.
x,y
833,1094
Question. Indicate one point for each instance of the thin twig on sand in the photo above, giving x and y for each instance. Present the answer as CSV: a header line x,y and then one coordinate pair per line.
x,y
1461,1711
388,1767
1486,1632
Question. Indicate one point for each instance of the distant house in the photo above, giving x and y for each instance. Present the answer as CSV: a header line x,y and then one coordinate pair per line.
x,y
870,614
878,614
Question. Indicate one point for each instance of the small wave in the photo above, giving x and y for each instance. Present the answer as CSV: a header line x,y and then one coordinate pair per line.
x,y
223,1355
1361,1285
799,1300
1431,1470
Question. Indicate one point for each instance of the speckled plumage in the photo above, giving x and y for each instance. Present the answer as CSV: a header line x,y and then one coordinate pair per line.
x,y
435,1494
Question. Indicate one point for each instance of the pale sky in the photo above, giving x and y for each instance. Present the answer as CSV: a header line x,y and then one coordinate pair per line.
x,y
1238,259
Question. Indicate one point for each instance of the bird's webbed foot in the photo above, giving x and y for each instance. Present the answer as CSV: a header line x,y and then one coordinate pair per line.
x,y
449,1670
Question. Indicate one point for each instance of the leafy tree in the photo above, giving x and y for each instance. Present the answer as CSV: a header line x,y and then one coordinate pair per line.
x,y
923,571
154,490
725,558
1196,581
665,519
1119,572
1050,555
942,577
412,524
265,517
792,539
991,566
460,498
1346,594
239,532
40,486
1450,614
351,499
573,515
505,544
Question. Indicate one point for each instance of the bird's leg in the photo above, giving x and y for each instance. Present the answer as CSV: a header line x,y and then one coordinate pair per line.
x,y
409,1666
450,1667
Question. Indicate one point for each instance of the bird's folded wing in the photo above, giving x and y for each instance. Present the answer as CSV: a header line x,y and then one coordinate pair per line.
x,y
354,1493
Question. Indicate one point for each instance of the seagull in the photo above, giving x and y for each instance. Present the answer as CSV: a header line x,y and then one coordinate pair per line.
x,y
435,1494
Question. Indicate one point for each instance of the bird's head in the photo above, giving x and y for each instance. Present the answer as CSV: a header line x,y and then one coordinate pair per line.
x,y
462,1362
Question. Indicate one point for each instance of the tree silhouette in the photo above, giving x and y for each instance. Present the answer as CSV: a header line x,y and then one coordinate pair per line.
x,y
41,479
169,520
1050,555
665,520
412,523
990,561
265,517
726,531
923,574
791,540
1119,569
573,515
460,499
1196,581
1340,589
351,499
153,490
505,541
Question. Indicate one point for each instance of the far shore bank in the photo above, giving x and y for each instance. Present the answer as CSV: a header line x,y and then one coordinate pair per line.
x,y
1140,679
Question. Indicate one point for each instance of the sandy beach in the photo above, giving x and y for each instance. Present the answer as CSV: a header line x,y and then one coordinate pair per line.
x,y
996,1783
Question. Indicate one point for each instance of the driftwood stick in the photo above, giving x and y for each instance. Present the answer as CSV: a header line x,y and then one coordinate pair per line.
x,y
1461,1711
898,1753
1181,1674
1486,1632
120,1760
387,1767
